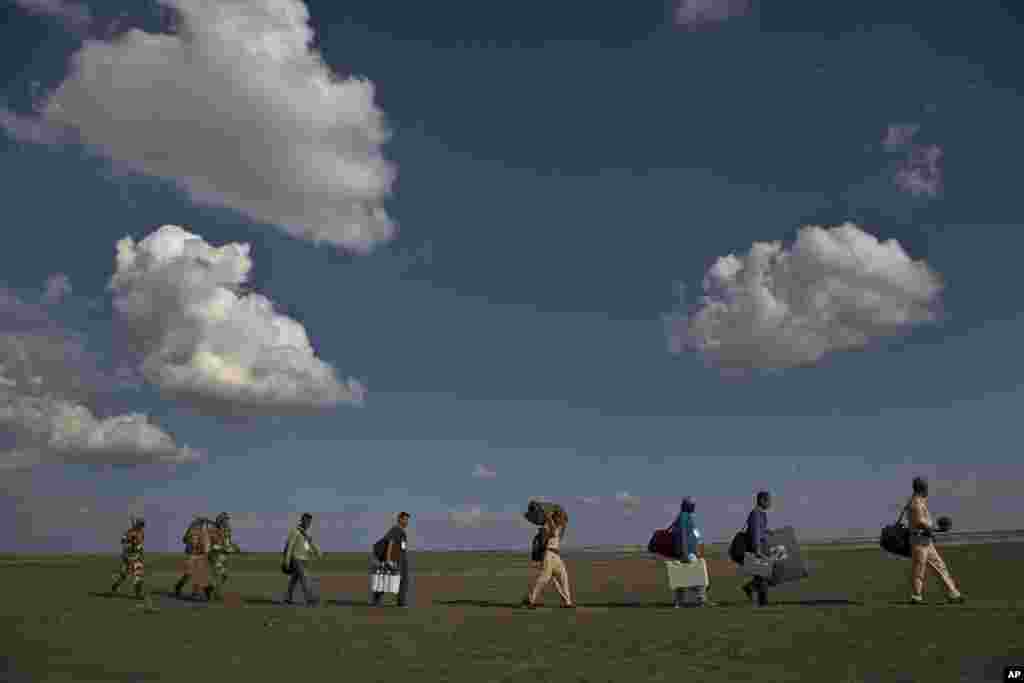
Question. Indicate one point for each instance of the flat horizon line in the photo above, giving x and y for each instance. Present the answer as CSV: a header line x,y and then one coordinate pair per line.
x,y
609,548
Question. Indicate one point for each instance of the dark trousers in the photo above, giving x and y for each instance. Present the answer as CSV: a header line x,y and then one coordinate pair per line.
x,y
297,577
403,587
760,586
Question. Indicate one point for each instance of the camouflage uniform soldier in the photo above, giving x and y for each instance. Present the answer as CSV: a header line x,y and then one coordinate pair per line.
x,y
197,546
221,545
132,557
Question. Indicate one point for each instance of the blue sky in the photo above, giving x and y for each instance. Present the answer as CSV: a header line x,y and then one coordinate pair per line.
x,y
561,173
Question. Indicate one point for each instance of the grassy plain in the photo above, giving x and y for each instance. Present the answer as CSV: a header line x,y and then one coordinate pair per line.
x,y
848,622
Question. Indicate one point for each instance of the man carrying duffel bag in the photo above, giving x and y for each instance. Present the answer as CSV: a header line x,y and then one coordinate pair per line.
x,y
757,546
922,550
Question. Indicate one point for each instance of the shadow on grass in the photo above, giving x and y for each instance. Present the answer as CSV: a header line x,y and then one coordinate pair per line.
x,y
113,596
279,602
651,605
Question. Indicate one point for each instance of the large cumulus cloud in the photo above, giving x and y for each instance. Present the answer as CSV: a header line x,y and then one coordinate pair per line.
x,y
836,289
238,109
47,382
205,342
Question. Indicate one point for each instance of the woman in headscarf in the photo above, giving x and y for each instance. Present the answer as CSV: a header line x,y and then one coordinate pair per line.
x,y
686,539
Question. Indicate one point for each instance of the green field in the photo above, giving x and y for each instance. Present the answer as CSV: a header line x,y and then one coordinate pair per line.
x,y
845,623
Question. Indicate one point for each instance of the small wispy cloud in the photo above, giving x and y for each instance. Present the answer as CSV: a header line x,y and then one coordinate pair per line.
x,y
483,472
470,517
75,16
899,135
695,14
918,172
32,129
629,503
56,288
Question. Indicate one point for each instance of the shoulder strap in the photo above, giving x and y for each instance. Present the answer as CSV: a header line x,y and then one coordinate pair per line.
x,y
903,510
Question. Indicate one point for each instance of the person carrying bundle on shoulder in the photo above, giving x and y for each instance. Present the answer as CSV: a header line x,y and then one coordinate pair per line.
x,y
552,566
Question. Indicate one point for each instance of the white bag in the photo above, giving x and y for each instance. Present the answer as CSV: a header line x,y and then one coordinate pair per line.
x,y
687,574
754,566
383,581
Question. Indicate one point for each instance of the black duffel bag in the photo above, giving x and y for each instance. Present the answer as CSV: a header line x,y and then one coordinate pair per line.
x,y
539,546
895,537
738,547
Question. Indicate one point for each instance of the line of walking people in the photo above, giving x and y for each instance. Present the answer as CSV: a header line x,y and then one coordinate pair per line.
x,y
390,557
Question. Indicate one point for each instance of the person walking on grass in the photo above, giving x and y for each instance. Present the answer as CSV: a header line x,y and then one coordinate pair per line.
x,y
132,558
686,541
394,555
301,549
922,548
197,546
552,566
757,543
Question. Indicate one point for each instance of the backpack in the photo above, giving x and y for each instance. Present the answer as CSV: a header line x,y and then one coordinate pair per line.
x,y
662,543
379,548
193,529
290,567
738,547
538,547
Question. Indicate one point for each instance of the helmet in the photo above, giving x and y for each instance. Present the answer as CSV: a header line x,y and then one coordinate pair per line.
x,y
138,522
223,519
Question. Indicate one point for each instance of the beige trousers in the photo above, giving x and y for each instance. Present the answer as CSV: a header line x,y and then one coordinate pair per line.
x,y
552,568
923,556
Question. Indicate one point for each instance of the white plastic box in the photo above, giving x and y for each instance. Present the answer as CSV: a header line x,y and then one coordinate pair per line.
x,y
686,574
383,581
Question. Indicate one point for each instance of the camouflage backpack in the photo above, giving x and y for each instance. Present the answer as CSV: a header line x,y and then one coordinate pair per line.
x,y
193,538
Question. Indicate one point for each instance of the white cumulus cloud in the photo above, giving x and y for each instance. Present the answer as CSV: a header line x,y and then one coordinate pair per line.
x,y
205,342
47,378
836,289
69,432
241,112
